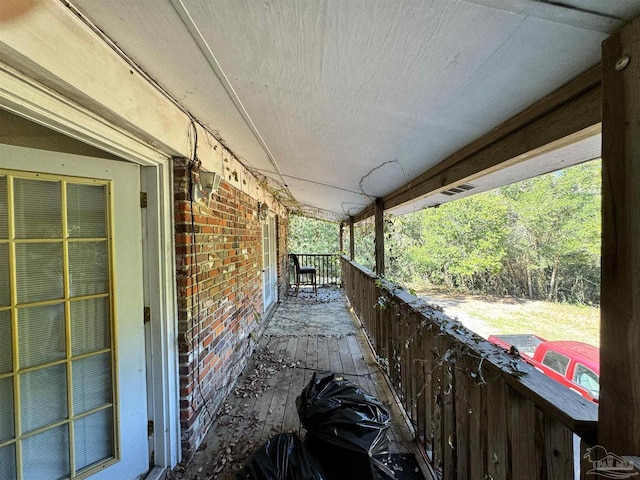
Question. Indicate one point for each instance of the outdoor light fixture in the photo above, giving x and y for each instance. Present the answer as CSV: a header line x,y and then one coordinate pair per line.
x,y
207,184
263,211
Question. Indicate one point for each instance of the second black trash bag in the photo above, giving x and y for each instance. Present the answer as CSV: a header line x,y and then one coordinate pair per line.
x,y
282,457
343,418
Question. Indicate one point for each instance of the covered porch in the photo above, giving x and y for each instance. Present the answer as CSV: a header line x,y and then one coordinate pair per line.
x,y
308,333
345,111
458,403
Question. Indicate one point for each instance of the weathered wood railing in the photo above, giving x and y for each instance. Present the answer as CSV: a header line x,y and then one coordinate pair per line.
x,y
327,267
478,412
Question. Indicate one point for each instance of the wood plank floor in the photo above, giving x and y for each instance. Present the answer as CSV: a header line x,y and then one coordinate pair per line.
x,y
290,351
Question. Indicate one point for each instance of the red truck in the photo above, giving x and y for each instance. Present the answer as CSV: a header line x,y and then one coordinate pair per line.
x,y
574,364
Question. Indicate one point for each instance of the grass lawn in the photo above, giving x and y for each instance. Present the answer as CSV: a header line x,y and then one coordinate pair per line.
x,y
553,321
495,315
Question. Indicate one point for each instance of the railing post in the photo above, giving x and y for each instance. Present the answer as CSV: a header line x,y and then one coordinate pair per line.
x,y
379,239
619,428
352,243
473,416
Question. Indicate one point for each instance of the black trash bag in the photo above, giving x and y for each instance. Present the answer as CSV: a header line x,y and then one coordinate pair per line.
x,y
347,427
282,457
338,411
339,463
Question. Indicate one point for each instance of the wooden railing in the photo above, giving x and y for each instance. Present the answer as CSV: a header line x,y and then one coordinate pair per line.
x,y
477,412
327,267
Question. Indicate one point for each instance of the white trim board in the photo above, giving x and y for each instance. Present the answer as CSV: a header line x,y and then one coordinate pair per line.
x,y
29,99
160,297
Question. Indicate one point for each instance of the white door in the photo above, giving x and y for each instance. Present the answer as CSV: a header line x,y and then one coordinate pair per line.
x,y
269,263
274,258
72,353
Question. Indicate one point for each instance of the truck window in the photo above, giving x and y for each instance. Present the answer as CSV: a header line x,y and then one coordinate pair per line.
x,y
587,379
556,361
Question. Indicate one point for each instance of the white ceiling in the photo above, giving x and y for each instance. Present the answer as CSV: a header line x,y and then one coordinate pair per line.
x,y
346,100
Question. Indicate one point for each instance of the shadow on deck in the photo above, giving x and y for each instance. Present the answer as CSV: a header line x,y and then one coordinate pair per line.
x,y
306,334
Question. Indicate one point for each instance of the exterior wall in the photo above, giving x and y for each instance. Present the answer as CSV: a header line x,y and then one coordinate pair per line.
x,y
87,91
219,288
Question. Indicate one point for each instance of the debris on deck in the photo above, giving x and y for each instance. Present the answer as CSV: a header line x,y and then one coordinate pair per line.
x,y
325,294
347,428
266,364
262,404
308,315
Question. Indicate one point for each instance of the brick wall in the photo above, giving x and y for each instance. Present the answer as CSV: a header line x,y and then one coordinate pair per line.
x,y
219,277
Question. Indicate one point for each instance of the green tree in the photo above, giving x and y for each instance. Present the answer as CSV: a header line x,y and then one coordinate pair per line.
x,y
308,235
364,244
539,238
402,234
556,234
462,240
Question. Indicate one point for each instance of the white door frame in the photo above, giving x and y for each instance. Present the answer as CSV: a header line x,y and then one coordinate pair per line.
x,y
271,269
273,240
25,97
266,268
160,296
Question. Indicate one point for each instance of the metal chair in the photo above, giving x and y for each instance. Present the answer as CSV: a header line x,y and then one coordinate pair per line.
x,y
304,270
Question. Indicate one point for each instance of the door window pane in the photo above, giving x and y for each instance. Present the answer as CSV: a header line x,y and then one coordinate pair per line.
x,y
39,272
6,348
90,325
88,272
94,438
6,409
86,211
91,382
37,208
53,271
5,290
8,462
45,456
41,335
43,397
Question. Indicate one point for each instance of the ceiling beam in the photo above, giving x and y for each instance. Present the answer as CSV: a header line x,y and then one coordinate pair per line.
x,y
559,12
569,114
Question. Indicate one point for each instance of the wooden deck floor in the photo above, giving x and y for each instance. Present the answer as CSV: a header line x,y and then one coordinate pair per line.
x,y
290,351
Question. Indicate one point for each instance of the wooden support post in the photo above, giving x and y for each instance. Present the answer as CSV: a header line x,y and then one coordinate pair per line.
x,y
379,232
341,238
619,411
352,241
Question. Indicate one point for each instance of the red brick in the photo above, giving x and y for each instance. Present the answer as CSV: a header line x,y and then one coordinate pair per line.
x,y
228,236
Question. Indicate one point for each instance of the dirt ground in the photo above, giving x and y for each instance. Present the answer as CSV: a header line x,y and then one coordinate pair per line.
x,y
493,315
